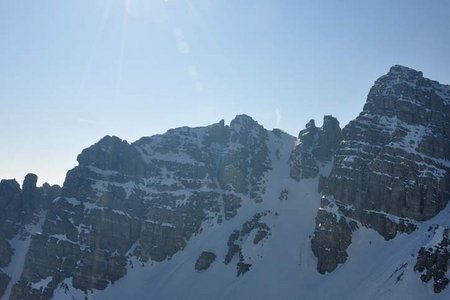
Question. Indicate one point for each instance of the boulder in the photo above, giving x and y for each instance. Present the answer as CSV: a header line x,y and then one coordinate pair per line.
x,y
204,260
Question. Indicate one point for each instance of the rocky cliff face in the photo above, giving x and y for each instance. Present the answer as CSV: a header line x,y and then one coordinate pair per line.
x,y
144,200
391,167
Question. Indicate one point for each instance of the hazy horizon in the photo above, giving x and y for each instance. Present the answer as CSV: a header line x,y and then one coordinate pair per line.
x,y
74,72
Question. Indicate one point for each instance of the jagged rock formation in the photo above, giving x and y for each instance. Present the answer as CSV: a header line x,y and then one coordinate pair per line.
x,y
17,209
315,144
145,200
391,167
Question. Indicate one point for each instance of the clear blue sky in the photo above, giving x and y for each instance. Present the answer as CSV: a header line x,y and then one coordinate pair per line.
x,y
74,71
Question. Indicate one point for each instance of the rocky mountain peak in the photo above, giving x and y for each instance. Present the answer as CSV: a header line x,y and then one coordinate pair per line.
x,y
243,118
246,131
391,167
405,94
243,121
399,71
402,139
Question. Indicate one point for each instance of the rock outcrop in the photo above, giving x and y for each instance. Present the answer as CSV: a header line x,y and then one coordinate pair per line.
x,y
433,261
238,237
332,237
315,145
205,260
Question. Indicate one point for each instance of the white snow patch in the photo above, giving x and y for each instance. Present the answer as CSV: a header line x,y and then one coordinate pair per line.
x,y
103,172
42,284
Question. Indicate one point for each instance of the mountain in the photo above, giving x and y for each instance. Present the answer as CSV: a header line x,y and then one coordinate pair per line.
x,y
235,211
391,168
